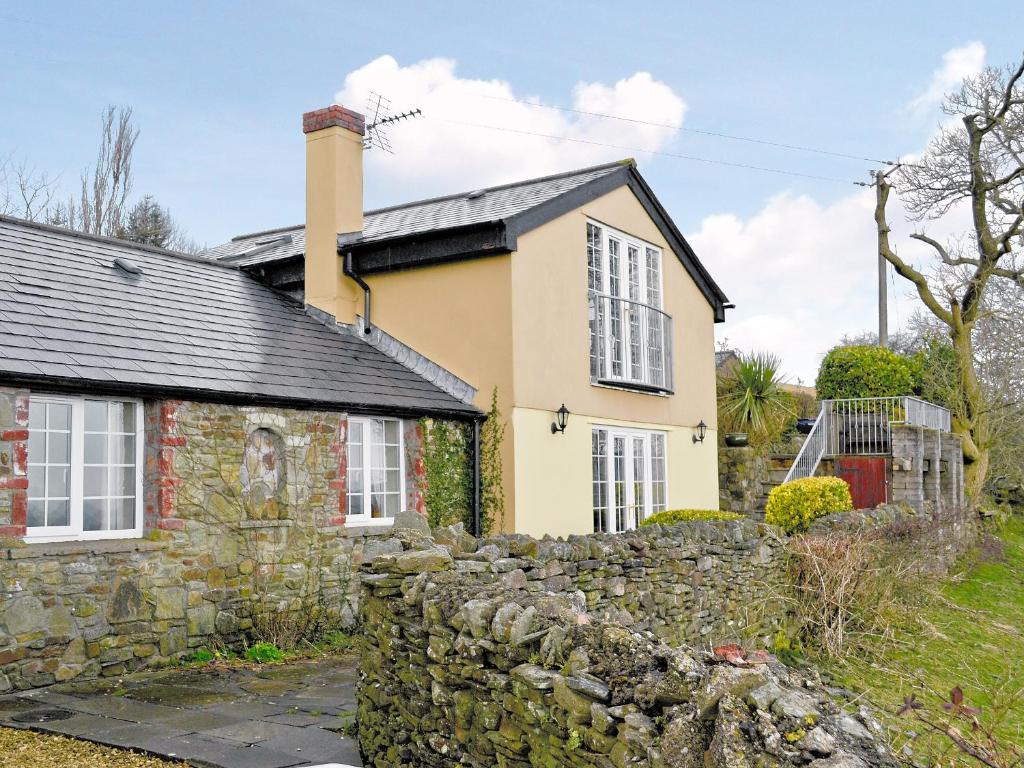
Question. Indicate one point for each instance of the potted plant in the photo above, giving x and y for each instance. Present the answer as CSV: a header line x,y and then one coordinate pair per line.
x,y
751,402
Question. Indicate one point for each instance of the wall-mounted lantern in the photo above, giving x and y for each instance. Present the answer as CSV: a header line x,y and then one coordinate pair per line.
x,y
561,420
702,430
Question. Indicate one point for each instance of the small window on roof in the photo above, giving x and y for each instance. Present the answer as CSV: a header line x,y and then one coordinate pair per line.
x,y
127,266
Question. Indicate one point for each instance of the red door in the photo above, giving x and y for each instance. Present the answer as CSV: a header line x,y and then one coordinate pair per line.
x,y
867,478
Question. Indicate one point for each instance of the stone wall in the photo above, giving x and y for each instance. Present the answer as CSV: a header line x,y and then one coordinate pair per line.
x,y
927,468
244,523
743,480
466,661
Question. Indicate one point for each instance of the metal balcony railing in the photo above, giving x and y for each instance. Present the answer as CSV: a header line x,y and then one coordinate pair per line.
x,y
863,427
630,343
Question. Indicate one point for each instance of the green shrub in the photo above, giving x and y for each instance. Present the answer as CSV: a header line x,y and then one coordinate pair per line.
x,y
673,516
793,505
200,656
864,371
264,653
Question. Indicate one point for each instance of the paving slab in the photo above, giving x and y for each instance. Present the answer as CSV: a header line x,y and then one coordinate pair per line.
x,y
221,716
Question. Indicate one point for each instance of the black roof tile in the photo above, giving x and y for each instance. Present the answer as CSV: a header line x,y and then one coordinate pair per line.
x,y
185,327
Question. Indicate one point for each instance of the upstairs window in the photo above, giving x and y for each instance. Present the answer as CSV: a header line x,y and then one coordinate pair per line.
x,y
630,334
376,471
84,468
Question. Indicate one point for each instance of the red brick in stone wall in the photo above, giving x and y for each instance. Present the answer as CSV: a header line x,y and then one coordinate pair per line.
x,y
14,462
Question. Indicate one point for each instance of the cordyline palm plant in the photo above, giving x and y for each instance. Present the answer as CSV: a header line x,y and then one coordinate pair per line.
x,y
751,398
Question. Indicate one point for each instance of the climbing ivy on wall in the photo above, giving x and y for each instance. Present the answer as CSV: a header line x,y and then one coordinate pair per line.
x,y
448,472
492,492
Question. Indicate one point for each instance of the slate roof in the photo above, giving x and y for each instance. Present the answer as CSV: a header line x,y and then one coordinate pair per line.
x,y
420,217
185,327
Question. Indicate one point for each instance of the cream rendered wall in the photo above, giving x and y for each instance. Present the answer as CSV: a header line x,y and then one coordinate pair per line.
x,y
554,473
550,342
460,316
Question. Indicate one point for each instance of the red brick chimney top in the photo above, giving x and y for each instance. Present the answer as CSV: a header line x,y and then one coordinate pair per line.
x,y
333,115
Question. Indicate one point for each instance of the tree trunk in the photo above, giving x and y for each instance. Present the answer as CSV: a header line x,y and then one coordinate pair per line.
x,y
970,419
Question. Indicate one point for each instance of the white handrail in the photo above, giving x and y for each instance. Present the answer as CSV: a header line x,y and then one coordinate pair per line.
x,y
862,426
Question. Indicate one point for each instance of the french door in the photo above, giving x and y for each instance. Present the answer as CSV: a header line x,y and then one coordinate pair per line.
x,y
629,477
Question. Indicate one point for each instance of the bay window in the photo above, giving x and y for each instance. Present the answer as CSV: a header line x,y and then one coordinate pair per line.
x,y
630,334
84,468
629,477
376,471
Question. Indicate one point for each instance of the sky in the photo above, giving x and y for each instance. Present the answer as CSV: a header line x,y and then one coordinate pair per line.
x,y
218,90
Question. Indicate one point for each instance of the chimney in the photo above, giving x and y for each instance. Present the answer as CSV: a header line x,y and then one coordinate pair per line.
x,y
334,205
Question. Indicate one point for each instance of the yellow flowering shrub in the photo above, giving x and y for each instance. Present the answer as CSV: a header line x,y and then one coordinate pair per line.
x,y
793,505
673,516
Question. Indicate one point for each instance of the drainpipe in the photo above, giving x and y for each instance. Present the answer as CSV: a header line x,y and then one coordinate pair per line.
x,y
476,476
349,270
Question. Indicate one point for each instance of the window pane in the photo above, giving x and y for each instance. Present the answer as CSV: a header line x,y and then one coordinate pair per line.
x,y
36,482
599,451
619,481
391,505
93,514
377,480
376,505
95,416
37,446
391,456
95,449
355,456
122,481
58,416
355,504
122,417
95,481
122,514
122,449
57,482
355,432
36,513
58,512
355,480
391,432
58,450
394,481
36,415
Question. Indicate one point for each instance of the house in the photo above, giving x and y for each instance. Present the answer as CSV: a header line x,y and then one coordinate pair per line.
x,y
185,454
572,290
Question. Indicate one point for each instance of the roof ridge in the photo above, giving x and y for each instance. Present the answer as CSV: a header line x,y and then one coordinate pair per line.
x,y
452,196
128,244
507,185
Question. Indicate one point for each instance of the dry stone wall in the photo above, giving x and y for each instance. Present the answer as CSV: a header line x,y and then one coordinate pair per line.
x,y
468,661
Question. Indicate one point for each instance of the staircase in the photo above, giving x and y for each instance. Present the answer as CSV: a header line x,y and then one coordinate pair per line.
x,y
778,467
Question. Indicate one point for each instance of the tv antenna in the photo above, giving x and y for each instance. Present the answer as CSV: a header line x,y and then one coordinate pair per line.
x,y
376,129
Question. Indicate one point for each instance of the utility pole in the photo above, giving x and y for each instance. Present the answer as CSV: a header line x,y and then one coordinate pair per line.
x,y
883,291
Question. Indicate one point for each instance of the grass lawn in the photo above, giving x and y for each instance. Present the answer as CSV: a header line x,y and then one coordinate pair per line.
x,y
966,631
25,749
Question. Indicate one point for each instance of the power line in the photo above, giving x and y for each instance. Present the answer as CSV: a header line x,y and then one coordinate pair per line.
x,y
699,131
676,155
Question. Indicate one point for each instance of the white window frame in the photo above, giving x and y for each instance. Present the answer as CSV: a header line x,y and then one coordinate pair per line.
x,y
646,508
363,517
644,250
74,531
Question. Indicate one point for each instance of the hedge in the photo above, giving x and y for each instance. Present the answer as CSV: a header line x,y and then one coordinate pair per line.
x,y
673,516
863,371
793,505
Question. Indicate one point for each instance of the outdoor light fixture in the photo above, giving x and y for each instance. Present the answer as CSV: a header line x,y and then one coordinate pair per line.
x,y
562,418
702,429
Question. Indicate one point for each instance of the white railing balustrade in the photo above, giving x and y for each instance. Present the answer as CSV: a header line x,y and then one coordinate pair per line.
x,y
630,343
863,427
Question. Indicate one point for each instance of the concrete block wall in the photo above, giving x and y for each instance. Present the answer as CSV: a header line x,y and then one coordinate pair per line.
x,y
927,466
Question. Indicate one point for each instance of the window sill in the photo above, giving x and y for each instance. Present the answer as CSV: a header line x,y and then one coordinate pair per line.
x,y
625,386
97,547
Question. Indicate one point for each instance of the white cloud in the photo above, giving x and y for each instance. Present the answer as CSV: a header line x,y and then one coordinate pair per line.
x,y
957,64
440,153
803,274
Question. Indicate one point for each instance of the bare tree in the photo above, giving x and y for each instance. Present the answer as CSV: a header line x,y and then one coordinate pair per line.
x,y
101,206
24,191
978,162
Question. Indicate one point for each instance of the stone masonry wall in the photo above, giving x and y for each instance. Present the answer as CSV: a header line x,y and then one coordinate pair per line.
x,y
244,521
927,469
468,661
743,480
